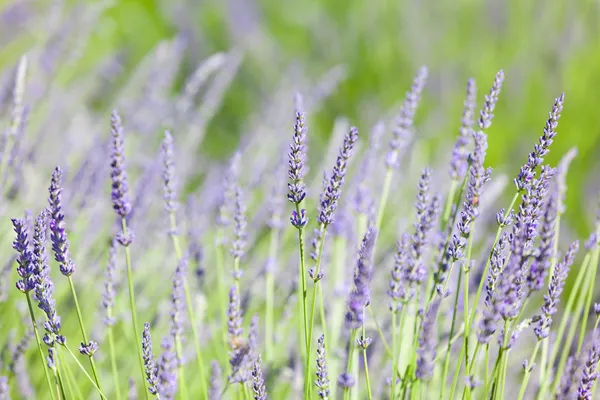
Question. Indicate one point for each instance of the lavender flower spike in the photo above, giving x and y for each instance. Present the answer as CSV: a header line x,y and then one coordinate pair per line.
x,y
58,234
458,164
149,360
536,157
322,382
109,293
487,113
238,246
25,266
169,183
590,373
427,343
214,392
297,160
167,370
542,330
404,123
120,189
177,311
360,296
4,388
334,189
258,385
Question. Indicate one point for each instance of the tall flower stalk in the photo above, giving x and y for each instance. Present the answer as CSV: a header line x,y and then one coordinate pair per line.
x,y
170,198
122,207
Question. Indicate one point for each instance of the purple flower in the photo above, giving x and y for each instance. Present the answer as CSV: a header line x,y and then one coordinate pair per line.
x,y
590,373
397,289
299,221
557,282
118,174
404,123
149,360
177,311
229,188
487,113
541,264
297,160
214,391
4,388
458,164
322,382
333,192
345,380
58,235
169,183
427,343
234,317
167,370
88,349
536,157
25,265
360,296
238,246
258,383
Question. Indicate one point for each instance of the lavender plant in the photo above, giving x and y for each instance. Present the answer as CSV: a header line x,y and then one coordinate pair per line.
x,y
331,325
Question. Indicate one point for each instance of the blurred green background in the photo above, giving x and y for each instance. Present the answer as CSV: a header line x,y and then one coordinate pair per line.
x,y
544,47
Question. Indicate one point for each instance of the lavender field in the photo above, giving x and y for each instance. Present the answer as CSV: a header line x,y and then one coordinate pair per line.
x,y
166,235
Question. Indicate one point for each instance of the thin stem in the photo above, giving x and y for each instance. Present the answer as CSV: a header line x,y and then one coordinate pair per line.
x,y
133,308
366,363
457,372
487,369
528,370
113,361
590,295
302,288
58,375
350,360
452,326
84,371
191,316
322,235
394,360
381,336
384,197
39,344
449,203
69,378
81,326
467,268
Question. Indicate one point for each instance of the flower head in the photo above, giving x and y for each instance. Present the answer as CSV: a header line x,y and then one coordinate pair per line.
x,y
360,296
120,188
322,382
58,234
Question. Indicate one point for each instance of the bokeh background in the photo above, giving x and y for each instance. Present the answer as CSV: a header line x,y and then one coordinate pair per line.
x,y
364,53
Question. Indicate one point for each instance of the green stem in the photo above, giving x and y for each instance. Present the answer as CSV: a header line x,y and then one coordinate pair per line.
x,y
452,326
590,295
384,197
302,286
388,351
58,375
322,234
528,370
366,362
113,359
457,372
192,317
39,345
84,371
69,378
350,361
449,203
394,360
467,268
132,305
487,369
81,326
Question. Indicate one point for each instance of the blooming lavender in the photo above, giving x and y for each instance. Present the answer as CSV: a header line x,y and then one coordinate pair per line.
x,y
238,246
214,391
297,160
169,183
404,123
230,179
177,311
360,296
239,349
397,290
322,382
542,330
427,343
487,113
590,373
58,234
258,383
150,367
25,265
536,157
458,164
167,369
336,181
541,264
120,188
